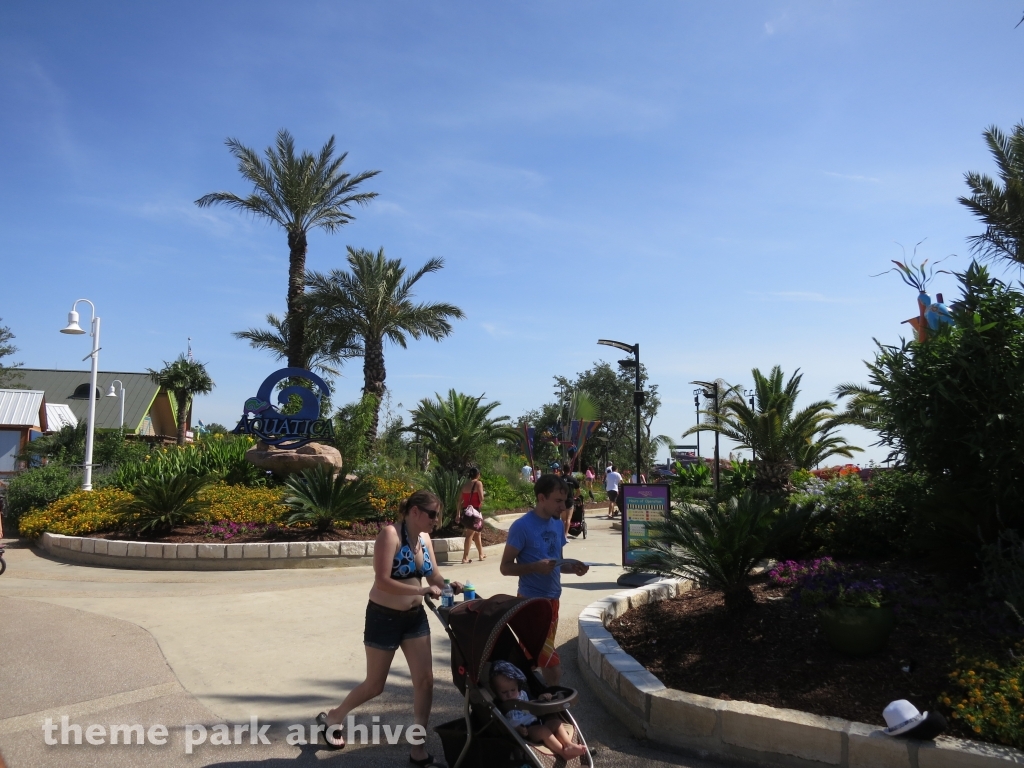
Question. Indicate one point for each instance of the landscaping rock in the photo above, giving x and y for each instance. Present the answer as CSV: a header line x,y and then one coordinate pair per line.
x,y
283,461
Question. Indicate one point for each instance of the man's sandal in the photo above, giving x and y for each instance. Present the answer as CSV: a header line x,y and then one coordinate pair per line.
x,y
321,719
427,762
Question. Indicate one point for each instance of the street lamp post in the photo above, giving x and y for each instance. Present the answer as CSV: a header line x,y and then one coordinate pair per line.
x,y
75,330
749,394
112,393
710,389
638,394
696,404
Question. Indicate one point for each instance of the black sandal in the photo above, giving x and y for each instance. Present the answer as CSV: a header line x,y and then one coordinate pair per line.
x,y
321,719
427,762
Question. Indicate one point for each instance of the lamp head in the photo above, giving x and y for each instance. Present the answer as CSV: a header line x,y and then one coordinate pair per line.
x,y
73,327
111,392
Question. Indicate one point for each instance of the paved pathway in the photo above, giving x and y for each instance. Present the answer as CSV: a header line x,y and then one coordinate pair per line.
x,y
106,646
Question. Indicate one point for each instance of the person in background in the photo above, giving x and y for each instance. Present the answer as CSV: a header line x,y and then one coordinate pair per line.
x,y
570,499
588,481
473,524
532,552
611,486
527,473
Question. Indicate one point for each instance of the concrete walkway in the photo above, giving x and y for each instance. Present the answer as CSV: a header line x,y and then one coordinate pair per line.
x,y
107,646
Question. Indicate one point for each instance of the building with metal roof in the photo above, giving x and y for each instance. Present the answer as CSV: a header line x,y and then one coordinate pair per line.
x,y
147,408
22,418
59,416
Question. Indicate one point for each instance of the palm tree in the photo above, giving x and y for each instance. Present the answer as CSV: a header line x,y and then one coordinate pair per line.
x,y
299,193
1000,207
183,379
862,408
323,350
374,300
782,438
457,428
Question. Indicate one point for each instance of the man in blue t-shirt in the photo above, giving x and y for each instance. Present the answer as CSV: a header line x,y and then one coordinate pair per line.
x,y
533,548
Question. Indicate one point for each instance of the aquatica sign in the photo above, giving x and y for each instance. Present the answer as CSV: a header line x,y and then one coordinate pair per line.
x,y
287,430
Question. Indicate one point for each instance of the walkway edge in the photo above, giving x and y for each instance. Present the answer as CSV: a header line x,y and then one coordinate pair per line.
x,y
142,555
684,722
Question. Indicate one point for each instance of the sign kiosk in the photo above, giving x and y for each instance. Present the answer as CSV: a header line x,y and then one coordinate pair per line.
x,y
642,505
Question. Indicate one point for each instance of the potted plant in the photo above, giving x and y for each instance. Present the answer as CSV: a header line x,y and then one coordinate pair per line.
x,y
856,614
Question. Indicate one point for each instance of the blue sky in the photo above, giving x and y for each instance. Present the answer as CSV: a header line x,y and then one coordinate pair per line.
x,y
715,181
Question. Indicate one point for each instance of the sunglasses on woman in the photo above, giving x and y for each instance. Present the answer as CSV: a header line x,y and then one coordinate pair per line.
x,y
431,513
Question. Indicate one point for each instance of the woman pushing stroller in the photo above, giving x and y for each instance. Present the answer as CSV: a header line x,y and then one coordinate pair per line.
x,y
403,556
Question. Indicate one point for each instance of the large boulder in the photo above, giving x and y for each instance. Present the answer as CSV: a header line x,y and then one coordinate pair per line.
x,y
283,461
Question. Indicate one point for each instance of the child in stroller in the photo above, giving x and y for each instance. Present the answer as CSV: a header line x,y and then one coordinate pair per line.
x,y
506,682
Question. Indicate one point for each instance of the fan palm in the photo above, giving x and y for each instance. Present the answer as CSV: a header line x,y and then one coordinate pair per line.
x,y
374,301
999,206
457,428
183,379
782,438
319,498
299,193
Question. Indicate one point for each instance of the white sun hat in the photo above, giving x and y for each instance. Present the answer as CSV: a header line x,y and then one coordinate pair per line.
x,y
901,716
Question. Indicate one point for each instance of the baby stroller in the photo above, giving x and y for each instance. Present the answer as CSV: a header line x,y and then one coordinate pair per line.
x,y
482,631
578,521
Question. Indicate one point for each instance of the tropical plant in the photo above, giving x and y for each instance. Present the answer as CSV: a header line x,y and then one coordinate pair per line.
x,y
718,544
782,438
862,405
953,407
447,485
697,475
9,374
323,350
163,502
457,428
352,423
999,206
373,301
65,446
319,499
183,379
300,194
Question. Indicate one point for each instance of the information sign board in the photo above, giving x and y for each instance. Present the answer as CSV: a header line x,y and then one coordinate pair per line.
x,y
642,505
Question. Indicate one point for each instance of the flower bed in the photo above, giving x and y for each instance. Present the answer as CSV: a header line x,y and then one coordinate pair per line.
x,y
775,653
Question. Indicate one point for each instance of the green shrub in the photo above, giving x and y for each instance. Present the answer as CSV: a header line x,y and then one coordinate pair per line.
x,y
241,504
447,486
869,519
164,502
319,498
217,457
500,493
39,487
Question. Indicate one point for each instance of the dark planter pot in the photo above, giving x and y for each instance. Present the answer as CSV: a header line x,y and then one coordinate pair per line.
x,y
857,631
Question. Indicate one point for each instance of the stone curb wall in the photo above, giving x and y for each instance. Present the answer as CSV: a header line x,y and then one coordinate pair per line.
x,y
741,730
226,557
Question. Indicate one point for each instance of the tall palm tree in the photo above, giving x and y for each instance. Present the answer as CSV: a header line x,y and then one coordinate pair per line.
x,y
299,193
782,438
374,300
1000,207
183,379
457,428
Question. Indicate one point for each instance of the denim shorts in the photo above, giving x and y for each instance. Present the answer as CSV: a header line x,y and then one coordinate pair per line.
x,y
386,628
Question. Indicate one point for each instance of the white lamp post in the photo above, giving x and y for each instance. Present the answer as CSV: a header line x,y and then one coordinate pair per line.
x,y
74,329
112,393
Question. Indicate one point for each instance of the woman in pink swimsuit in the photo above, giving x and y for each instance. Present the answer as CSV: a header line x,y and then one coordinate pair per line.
x,y
473,496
